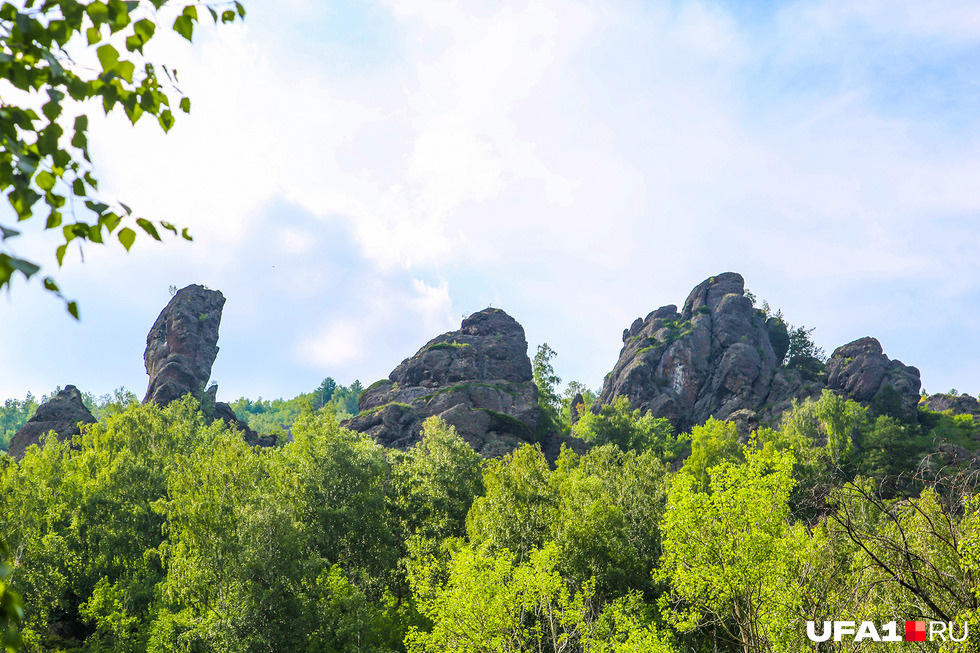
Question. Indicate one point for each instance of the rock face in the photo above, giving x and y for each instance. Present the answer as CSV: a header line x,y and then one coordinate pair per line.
x,y
180,350
61,414
962,404
715,357
577,400
720,357
478,379
182,345
861,371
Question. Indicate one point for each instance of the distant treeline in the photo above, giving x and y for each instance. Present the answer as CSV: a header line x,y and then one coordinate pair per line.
x,y
262,415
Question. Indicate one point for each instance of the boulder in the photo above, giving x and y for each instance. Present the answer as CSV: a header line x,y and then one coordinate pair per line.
x,y
477,378
182,345
62,414
861,371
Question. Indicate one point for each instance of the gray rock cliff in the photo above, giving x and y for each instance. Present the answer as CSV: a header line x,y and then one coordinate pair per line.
x,y
477,378
61,413
181,347
716,357
861,371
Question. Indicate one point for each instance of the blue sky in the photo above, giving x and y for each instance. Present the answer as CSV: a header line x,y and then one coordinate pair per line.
x,y
359,176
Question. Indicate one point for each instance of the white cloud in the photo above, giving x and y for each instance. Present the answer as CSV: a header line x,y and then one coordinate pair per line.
x,y
335,344
576,163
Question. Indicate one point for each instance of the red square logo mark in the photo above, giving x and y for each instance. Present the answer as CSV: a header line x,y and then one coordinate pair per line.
x,y
915,631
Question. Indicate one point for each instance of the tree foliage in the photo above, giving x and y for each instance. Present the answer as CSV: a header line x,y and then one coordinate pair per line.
x,y
547,383
630,430
46,88
804,355
730,552
154,531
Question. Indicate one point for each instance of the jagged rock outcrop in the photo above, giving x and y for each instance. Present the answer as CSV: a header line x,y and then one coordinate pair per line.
x,y
61,413
180,350
715,357
962,404
182,345
478,379
720,357
861,371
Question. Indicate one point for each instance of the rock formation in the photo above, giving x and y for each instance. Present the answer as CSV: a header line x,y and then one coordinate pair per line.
x,y
573,415
478,379
180,350
61,414
720,357
861,371
962,404
715,357
182,345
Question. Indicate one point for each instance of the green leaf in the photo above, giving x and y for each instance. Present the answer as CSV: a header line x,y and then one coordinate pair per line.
x,y
60,253
118,14
51,110
49,284
111,221
54,220
148,228
186,234
144,29
80,140
45,180
93,35
166,120
25,266
228,16
240,8
78,187
95,234
169,227
96,207
73,309
125,69
127,237
98,11
6,232
185,27
134,113
126,208
185,104
21,201
76,230
108,57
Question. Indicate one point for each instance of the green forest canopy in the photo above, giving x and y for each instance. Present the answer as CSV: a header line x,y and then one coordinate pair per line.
x,y
158,532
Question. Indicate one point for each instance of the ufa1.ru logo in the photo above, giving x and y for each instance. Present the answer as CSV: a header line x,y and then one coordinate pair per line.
x,y
915,631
